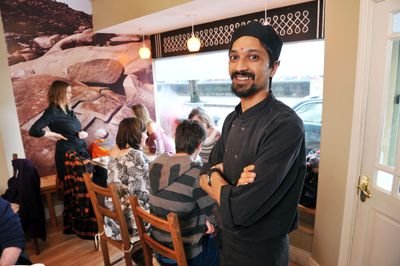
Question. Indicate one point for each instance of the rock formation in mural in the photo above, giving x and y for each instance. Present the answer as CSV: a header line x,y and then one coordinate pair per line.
x,y
47,41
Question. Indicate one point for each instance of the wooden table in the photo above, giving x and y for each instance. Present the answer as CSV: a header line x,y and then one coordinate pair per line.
x,y
47,188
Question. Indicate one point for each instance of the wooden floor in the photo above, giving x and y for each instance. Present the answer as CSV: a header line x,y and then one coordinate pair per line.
x,y
60,250
67,250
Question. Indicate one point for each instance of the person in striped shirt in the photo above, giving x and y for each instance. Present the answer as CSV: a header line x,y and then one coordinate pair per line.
x,y
174,187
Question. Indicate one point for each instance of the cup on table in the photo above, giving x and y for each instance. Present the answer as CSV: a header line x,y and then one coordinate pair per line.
x,y
104,159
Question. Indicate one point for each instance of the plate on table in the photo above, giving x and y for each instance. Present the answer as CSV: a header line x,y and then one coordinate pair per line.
x,y
101,161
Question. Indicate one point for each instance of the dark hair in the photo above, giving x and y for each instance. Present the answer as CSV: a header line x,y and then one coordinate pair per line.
x,y
202,115
188,136
270,63
130,133
57,93
268,50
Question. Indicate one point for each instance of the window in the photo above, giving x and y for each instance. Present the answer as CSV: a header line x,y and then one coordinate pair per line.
x,y
185,82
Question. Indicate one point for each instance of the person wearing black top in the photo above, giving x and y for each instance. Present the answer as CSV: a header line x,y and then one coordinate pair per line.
x,y
63,124
262,143
12,238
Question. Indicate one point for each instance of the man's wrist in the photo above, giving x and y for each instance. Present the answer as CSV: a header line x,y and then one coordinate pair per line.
x,y
210,172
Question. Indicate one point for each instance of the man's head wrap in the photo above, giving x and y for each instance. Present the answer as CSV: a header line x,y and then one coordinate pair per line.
x,y
266,34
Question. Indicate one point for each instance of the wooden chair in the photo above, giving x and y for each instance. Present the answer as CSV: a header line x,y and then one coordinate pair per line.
x,y
24,193
97,195
171,225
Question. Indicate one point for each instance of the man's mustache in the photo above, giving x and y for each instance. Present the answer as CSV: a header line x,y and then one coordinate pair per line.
x,y
243,73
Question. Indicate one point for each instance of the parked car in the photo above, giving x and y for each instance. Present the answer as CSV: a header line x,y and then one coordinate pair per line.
x,y
309,109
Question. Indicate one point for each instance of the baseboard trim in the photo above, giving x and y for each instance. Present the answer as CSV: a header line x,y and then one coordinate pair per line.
x,y
301,257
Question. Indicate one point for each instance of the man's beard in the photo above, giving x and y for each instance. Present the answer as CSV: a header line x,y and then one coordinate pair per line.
x,y
240,89
236,89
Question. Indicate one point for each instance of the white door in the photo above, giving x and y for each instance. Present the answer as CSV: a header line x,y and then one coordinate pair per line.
x,y
377,224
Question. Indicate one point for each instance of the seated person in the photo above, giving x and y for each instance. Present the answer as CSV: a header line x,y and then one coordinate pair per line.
x,y
12,238
199,114
174,187
101,147
128,168
156,135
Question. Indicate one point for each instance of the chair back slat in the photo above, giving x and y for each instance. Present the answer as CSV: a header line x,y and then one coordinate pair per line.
x,y
171,226
107,212
97,195
154,220
161,249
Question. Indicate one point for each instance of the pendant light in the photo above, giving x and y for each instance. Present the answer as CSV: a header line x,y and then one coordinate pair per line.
x,y
193,43
144,52
265,13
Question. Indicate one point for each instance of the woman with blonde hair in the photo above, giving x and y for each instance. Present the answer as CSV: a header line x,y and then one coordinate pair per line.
x,y
156,135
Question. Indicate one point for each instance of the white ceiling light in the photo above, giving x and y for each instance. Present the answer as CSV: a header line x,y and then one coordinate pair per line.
x,y
144,52
193,43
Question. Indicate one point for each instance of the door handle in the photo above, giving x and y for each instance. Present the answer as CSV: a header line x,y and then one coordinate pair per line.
x,y
362,188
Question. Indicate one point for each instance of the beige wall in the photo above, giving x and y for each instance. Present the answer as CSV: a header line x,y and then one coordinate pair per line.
x,y
341,38
109,13
10,137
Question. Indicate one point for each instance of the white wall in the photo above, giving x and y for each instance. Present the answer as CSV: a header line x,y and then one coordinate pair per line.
x,y
10,136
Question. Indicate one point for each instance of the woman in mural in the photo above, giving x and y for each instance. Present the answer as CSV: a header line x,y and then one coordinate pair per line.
x,y
157,139
63,124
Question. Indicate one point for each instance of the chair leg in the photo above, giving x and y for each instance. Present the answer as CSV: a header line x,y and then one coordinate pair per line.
x,y
104,250
128,259
148,255
36,245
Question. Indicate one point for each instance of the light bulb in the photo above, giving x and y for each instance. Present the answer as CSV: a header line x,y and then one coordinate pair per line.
x,y
193,43
144,53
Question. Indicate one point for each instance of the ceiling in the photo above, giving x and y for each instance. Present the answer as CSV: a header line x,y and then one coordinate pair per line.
x,y
200,11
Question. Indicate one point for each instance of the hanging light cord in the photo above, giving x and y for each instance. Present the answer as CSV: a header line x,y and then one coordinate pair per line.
x,y
192,26
265,12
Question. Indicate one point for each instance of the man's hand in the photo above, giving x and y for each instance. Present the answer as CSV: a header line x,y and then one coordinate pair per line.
x,y
247,176
217,181
210,228
9,256
220,166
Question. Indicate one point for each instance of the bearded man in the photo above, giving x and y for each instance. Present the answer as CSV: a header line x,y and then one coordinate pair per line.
x,y
256,169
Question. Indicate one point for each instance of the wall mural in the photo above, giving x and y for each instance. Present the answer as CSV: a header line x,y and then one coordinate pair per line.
x,y
48,40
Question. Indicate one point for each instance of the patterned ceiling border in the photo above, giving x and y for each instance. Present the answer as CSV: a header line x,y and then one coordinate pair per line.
x,y
294,23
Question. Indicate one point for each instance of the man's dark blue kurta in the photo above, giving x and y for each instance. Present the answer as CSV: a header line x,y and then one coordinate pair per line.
x,y
257,217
